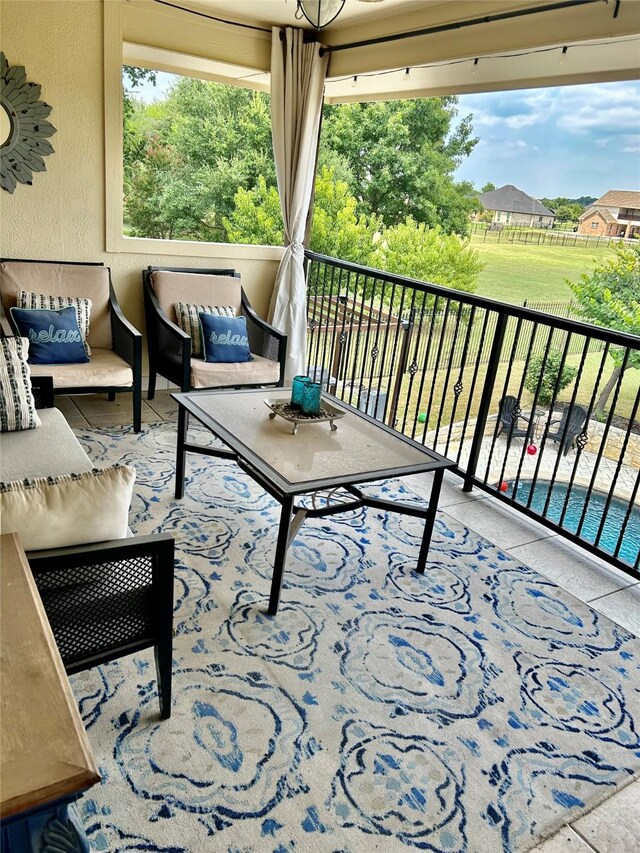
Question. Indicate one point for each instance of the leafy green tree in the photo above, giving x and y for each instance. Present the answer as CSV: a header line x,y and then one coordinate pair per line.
x,y
409,248
256,217
489,187
403,155
609,296
192,152
428,254
542,376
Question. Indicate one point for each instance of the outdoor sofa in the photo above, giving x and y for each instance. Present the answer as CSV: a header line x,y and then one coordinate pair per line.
x,y
103,599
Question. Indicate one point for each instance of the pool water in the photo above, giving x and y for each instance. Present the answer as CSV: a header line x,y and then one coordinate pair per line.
x,y
616,514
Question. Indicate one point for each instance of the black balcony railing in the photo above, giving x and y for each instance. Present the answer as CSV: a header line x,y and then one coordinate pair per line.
x,y
541,411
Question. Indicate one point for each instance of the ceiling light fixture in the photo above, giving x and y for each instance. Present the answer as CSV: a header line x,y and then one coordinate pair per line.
x,y
319,13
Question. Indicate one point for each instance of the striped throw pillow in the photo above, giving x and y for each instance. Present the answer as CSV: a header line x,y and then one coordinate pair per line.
x,y
17,406
43,300
188,317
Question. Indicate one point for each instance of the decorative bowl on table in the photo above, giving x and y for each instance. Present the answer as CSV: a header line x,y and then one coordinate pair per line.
x,y
282,408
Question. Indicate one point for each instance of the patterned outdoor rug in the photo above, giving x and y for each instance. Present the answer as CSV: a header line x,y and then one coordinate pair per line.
x,y
477,708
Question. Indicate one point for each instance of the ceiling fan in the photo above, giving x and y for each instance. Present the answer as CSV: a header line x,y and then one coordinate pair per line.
x,y
320,13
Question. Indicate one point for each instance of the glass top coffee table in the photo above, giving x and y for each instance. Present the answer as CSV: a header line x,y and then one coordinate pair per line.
x,y
319,461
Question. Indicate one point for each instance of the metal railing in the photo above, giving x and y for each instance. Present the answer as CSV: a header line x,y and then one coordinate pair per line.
x,y
539,410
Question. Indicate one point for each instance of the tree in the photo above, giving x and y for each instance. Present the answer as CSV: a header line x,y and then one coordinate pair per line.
x,y
409,248
403,155
489,187
198,146
427,254
609,296
542,377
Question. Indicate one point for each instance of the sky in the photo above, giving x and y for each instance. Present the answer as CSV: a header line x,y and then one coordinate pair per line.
x,y
566,141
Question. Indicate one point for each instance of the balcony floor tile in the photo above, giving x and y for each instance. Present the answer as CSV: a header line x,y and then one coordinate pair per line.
x,y
624,608
586,576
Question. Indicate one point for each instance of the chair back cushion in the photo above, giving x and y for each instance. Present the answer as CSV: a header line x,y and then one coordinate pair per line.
x,y
197,288
90,282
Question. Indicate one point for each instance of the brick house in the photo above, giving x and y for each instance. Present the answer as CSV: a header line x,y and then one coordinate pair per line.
x,y
615,214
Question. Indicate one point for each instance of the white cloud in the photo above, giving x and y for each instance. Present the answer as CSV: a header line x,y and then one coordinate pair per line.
x,y
523,120
632,149
601,143
588,117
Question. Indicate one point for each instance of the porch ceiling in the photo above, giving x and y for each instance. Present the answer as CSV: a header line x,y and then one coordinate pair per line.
x,y
521,52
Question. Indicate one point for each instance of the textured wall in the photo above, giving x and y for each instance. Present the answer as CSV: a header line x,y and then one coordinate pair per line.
x,y
62,216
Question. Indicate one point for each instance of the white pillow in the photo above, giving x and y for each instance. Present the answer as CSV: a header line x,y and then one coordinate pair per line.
x,y
17,405
74,509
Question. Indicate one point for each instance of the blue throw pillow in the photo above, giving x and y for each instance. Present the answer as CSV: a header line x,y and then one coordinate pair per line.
x,y
224,339
54,335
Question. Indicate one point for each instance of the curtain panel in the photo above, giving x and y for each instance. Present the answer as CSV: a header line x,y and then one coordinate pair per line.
x,y
297,82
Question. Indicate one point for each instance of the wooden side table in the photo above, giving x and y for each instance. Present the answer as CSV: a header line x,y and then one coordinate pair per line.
x,y
45,756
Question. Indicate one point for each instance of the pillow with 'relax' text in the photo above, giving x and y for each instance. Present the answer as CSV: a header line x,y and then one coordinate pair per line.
x,y
224,339
54,335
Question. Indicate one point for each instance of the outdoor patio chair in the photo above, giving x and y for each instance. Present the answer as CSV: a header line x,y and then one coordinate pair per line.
x,y
171,348
509,414
568,427
115,360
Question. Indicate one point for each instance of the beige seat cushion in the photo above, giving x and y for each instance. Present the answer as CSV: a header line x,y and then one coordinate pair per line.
x,y
62,280
172,287
105,368
260,371
47,451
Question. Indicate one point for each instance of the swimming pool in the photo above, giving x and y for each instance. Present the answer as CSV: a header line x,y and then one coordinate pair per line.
x,y
616,514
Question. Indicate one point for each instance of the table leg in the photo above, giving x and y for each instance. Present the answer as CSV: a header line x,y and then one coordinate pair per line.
x,y
183,426
430,519
281,555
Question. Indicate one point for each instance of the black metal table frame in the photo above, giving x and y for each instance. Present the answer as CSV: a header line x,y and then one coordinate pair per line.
x,y
293,515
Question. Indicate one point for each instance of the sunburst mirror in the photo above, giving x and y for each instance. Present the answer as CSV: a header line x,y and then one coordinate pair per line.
x,y
23,127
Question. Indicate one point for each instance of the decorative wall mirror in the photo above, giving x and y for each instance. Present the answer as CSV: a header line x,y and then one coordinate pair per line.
x,y
23,127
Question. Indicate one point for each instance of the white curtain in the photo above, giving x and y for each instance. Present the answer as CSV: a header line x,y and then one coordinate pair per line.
x,y
297,82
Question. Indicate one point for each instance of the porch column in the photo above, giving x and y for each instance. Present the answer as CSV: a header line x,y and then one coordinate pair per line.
x,y
297,85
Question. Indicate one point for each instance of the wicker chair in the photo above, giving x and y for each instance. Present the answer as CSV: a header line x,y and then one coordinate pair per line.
x,y
170,347
116,346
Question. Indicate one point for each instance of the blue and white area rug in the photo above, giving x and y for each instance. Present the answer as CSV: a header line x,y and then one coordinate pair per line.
x,y
477,708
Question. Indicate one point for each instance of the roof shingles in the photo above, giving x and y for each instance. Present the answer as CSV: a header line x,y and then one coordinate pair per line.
x,y
513,200
618,198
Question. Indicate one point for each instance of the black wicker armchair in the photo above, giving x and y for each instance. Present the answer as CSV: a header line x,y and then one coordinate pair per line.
x,y
170,348
116,346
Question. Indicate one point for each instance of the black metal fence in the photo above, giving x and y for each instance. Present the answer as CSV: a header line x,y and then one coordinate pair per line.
x,y
543,236
539,410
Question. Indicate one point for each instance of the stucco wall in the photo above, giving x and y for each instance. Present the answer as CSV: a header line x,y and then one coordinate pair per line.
x,y
62,215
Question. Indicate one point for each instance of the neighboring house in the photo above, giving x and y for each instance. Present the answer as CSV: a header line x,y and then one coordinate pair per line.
x,y
615,214
511,206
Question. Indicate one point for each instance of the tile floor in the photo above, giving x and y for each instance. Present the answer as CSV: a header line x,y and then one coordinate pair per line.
x,y
612,827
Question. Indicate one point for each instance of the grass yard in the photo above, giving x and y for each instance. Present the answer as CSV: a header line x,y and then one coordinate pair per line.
x,y
519,271
443,404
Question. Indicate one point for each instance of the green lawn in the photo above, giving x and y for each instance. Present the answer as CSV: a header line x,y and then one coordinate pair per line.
x,y
518,271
